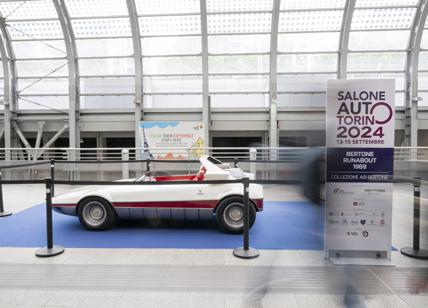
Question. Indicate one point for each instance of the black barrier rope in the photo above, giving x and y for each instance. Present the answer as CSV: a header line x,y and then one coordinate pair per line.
x,y
24,165
50,250
415,251
148,161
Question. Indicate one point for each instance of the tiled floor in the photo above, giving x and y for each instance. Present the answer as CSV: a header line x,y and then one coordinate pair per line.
x,y
210,278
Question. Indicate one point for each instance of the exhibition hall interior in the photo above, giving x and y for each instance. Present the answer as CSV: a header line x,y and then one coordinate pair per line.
x,y
213,153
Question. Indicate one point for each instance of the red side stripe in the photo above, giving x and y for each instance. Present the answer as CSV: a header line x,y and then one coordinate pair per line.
x,y
206,204
209,204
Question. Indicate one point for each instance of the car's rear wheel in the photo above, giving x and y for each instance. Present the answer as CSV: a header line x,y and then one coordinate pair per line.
x,y
230,214
96,214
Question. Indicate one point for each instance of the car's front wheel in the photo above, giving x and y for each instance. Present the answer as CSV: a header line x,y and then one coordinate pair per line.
x,y
96,214
230,214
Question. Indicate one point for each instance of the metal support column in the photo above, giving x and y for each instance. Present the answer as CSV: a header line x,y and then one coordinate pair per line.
x,y
342,61
138,67
412,63
273,88
73,74
206,101
9,85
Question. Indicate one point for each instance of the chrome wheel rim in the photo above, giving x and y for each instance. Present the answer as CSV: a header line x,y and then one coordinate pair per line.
x,y
233,215
94,213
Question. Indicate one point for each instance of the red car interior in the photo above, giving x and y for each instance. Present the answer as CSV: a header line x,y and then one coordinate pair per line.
x,y
188,177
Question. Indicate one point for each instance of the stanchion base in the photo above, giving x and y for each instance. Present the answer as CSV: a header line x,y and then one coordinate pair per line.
x,y
49,252
5,214
251,253
418,254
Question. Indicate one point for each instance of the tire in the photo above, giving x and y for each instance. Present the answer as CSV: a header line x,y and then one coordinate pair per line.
x,y
96,214
230,214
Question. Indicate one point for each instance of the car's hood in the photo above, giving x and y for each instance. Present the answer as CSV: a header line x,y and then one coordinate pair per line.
x,y
79,190
89,188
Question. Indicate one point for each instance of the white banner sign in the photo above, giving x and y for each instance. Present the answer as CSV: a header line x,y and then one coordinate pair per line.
x,y
360,158
163,139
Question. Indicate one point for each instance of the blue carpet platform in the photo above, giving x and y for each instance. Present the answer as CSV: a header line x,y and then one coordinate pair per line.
x,y
282,225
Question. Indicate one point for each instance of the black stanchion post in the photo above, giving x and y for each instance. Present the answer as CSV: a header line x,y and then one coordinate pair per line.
x,y
53,177
148,165
235,163
50,250
246,252
2,212
415,251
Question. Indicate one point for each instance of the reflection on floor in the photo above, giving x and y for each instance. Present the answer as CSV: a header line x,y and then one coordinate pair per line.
x,y
210,278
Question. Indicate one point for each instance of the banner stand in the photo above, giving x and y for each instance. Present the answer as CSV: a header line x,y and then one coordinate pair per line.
x,y
359,171
368,258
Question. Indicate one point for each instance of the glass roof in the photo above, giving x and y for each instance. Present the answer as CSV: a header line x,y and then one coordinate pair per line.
x,y
238,47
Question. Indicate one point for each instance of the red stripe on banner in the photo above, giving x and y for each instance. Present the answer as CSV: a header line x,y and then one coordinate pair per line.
x,y
63,205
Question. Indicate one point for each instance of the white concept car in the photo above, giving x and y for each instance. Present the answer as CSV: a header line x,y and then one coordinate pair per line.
x,y
99,207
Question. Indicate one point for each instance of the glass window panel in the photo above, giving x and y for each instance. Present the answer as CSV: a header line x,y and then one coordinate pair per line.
x,y
304,83
172,65
239,43
238,5
44,86
423,81
172,84
106,27
85,8
21,10
307,63
107,102
31,49
311,4
239,23
378,40
400,18
424,42
400,99
107,85
239,100
239,64
239,83
424,101
147,7
376,61
308,42
310,21
99,67
170,25
371,3
301,100
171,45
400,81
26,30
172,101
41,68
43,103
104,47
423,60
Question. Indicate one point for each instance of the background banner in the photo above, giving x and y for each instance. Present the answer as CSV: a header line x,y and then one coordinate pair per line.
x,y
360,142
155,135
